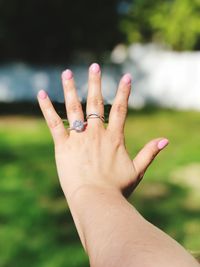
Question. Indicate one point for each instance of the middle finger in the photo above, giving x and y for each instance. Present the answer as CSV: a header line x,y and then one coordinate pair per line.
x,y
95,103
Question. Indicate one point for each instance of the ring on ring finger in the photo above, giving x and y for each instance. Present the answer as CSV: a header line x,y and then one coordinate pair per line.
x,y
78,126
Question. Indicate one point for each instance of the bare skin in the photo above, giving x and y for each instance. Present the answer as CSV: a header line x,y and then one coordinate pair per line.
x,y
97,175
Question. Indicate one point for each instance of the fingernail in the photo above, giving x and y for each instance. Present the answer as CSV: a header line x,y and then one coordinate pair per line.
x,y
163,143
127,78
67,75
42,94
95,68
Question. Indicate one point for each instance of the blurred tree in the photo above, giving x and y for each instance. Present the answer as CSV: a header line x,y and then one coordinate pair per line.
x,y
173,22
136,24
46,31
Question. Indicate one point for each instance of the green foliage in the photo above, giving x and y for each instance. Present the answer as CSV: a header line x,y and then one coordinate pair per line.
x,y
36,228
173,22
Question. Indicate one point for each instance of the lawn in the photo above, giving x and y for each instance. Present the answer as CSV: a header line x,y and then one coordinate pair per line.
x,y
36,228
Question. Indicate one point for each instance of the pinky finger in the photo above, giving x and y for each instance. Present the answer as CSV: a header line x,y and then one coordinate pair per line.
x,y
53,121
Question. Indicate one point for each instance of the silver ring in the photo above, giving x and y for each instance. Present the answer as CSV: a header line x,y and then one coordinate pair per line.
x,y
78,126
95,116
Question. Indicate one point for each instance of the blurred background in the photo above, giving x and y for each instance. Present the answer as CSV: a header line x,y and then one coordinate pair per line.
x,y
158,42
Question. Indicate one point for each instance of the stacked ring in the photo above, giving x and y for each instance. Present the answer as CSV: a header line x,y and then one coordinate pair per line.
x,y
79,125
94,116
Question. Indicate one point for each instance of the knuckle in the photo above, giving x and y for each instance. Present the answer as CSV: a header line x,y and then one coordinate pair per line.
x,y
95,101
152,153
120,108
74,107
117,140
70,88
54,123
124,92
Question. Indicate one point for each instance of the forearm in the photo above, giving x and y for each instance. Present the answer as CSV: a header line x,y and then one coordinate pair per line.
x,y
115,234
111,230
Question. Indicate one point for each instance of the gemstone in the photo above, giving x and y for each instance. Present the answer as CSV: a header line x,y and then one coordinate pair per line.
x,y
78,126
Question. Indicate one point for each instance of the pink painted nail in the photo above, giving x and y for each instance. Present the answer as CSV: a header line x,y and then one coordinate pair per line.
x,y
127,78
163,143
95,68
67,75
42,94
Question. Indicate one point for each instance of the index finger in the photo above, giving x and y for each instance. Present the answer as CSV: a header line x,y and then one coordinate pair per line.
x,y
54,122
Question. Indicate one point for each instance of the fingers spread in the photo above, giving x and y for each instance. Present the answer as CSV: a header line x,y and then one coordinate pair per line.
x,y
147,154
119,108
73,105
54,122
95,103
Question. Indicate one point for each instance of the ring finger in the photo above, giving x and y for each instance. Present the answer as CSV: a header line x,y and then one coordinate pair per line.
x,y
72,103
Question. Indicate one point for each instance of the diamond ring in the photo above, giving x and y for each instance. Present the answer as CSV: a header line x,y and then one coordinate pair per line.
x,y
94,116
78,126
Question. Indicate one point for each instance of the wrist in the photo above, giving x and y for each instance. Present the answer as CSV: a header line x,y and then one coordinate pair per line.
x,y
85,196
82,192
86,200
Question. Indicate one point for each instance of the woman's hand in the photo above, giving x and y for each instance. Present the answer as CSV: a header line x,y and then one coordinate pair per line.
x,y
96,156
95,170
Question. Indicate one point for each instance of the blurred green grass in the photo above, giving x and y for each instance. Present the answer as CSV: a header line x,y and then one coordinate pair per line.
x,y
165,196
36,228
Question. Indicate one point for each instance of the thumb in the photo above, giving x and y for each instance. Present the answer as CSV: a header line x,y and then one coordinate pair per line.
x,y
147,154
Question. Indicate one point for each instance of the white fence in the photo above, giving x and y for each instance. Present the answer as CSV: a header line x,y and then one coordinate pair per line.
x,y
163,78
